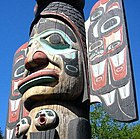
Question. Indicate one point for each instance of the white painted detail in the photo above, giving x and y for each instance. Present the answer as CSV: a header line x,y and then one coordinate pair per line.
x,y
109,98
106,30
71,54
16,71
118,59
99,68
125,91
94,99
14,104
16,84
95,30
9,133
99,14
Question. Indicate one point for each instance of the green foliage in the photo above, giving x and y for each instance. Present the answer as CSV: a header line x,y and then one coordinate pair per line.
x,y
136,132
103,127
1,137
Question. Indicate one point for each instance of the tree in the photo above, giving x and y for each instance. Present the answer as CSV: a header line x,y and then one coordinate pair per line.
x,y
1,137
136,131
103,127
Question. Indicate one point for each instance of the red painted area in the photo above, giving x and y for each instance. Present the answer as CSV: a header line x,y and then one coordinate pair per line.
x,y
38,59
14,114
24,46
104,1
95,7
111,33
97,4
116,5
100,81
25,112
120,71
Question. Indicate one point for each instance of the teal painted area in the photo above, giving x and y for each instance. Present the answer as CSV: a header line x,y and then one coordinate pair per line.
x,y
37,81
63,49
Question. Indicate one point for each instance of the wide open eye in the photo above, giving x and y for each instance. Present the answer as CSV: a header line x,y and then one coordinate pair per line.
x,y
50,113
23,121
56,41
37,115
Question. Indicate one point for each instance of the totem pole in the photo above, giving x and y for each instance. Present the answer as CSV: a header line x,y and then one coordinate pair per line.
x,y
56,76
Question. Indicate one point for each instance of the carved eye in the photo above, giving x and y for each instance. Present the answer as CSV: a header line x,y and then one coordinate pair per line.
x,y
56,41
37,115
19,71
110,24
96,15
23,121
50,113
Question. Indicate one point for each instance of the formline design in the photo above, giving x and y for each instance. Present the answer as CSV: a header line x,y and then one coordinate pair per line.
x,y
67,65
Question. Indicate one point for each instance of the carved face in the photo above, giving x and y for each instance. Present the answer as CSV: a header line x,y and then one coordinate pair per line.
x,y
22,126
45,119
53,63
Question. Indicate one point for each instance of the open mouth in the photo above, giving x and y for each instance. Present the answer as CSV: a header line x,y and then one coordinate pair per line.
x,y
46,77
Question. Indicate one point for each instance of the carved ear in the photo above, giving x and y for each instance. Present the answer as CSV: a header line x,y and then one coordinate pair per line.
x,y
110,67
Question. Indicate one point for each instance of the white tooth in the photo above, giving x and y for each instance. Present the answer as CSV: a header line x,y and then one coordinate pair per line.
x,y
9,133
109,97
14,104
125,91
94,99
118,59
99,68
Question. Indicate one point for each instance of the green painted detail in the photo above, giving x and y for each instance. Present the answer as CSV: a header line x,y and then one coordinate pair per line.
x,y
64,49
37,81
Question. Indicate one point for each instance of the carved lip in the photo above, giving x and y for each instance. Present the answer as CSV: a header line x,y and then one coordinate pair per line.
x,y
41,77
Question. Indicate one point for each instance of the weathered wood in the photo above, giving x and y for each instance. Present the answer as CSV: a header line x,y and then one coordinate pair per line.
x,y
50,86
50,134
77,127
53,78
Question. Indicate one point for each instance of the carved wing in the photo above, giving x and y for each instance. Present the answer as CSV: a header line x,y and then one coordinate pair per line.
x,y
110,67
16,109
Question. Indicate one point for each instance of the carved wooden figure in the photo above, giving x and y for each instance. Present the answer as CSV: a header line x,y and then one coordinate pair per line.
x,y
53,77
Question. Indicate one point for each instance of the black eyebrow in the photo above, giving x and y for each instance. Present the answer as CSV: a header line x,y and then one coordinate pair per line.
x,y
45,24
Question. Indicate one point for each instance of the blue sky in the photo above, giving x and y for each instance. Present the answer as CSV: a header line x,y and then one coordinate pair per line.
x,y
16,16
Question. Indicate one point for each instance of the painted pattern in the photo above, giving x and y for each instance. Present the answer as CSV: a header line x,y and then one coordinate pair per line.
x,y
55,56
50,61
109,60
16,107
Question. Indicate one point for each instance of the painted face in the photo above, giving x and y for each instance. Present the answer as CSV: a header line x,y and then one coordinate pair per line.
x,y
22,126
45,119
53,64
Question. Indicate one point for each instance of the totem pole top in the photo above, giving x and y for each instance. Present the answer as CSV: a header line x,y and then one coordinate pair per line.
x,y
41,4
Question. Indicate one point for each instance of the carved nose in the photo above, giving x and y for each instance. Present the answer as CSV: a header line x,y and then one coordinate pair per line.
x,y
39,59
